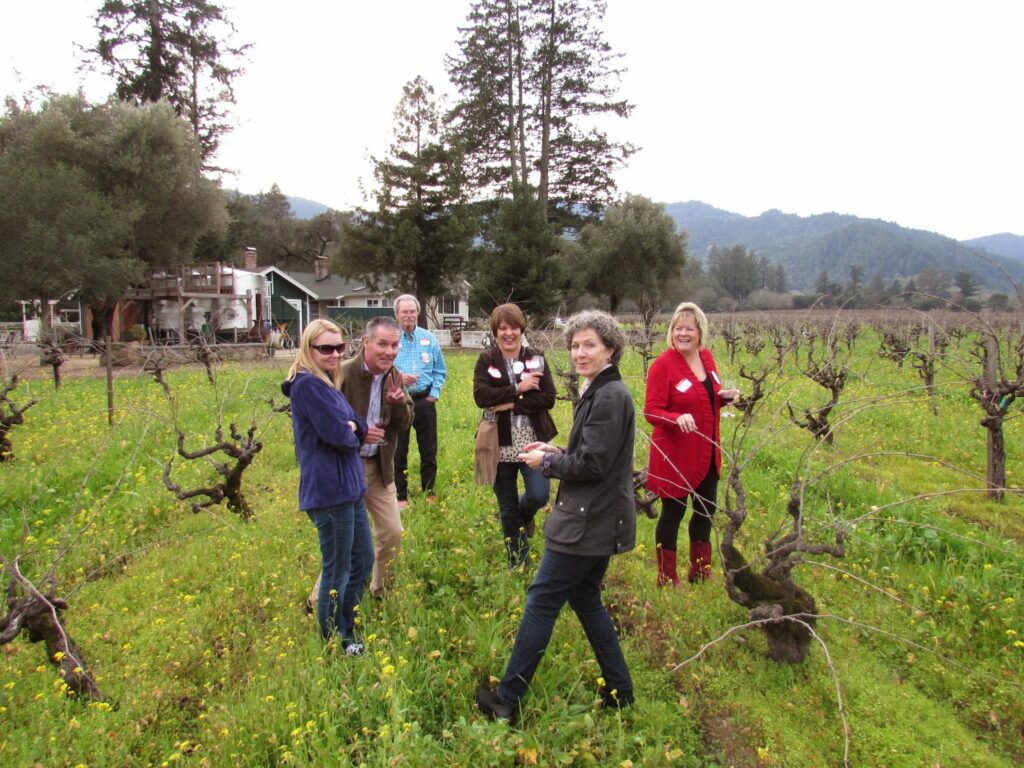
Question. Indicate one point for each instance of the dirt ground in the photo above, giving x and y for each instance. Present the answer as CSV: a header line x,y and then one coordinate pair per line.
x,y
25,363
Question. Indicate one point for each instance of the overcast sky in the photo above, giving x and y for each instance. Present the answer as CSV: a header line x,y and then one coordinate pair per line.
x,y
905,110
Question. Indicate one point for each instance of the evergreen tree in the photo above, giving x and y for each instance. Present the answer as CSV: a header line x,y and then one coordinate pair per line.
x,y
178,50
734,269
421,229
966,284
518,260
532,77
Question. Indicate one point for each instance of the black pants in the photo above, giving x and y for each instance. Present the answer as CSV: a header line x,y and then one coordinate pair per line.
x,y
424,421
705,496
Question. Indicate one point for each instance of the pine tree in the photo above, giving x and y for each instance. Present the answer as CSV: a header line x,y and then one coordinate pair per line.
x,y
518,259
178,50
532,77
421,229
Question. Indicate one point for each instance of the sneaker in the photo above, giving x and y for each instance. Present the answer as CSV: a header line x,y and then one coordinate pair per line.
x,y
432,498
354,649
309,606
495,707
402,504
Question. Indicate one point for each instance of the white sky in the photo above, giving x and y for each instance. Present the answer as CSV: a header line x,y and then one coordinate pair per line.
x,y
905,110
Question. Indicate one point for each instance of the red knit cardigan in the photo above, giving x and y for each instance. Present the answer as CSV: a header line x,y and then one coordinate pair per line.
x,y
679,460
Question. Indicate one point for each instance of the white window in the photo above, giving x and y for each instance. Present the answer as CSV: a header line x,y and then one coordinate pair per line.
x,y
449,305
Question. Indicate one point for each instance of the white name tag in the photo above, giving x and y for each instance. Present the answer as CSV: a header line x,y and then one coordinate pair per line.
x,y
533,363
424,342
493,372
684,385
425,357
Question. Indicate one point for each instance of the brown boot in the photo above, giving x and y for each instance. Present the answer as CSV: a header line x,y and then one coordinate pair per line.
x,y
700,561
667,567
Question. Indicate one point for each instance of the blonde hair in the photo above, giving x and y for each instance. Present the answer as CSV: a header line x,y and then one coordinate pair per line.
x,y
304,357
689,308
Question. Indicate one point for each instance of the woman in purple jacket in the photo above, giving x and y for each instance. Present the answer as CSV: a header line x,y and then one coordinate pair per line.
x,y
328,434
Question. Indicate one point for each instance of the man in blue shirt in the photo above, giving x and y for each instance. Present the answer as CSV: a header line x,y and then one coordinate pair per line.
x,y
423,374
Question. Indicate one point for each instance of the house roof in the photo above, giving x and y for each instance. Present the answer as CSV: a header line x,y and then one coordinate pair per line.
x,y
330,287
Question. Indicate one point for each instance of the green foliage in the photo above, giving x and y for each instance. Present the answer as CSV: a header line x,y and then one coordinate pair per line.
x,y
633,253
517,260
97,192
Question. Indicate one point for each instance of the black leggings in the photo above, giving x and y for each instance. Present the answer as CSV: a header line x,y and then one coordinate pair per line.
x,y
673,511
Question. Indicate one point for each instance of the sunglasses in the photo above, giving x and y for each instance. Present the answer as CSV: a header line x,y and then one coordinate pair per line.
x,y
327,349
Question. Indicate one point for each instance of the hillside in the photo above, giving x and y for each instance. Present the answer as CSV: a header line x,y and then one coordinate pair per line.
x,y
306,209
1004,244
832,242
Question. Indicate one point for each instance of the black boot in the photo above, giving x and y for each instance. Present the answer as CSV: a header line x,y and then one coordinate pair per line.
x,y
495,707
618,700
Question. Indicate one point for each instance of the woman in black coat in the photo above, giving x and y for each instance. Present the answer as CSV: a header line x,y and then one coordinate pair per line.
x,y
594,517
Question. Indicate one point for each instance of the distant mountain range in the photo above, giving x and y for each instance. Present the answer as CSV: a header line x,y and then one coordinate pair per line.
x,y
832,242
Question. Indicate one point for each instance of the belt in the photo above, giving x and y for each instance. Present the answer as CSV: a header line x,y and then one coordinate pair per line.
x,y
419,395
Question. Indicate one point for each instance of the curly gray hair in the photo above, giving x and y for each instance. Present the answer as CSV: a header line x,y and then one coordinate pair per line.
x,y
601,323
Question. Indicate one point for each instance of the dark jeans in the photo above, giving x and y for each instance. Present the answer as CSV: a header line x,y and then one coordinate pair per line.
x,y
515,509
346,551
705,496
574,579
424,421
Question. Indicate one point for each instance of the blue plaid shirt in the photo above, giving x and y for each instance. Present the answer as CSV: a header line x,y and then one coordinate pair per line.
x,y
419,353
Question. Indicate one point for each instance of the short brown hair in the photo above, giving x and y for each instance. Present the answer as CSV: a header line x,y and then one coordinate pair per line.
x,y
509,314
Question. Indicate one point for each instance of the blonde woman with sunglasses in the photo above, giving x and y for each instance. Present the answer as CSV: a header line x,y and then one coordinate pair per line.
x,y
328,434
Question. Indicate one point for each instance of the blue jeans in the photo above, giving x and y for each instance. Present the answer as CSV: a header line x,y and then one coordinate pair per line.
x,y
346,551
574,579
517,510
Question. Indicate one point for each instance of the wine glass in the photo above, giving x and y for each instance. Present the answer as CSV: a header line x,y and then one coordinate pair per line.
x,y
730,384
383,419
536,366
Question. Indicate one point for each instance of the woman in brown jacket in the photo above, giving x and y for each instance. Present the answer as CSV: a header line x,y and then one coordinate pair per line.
x,y
513,385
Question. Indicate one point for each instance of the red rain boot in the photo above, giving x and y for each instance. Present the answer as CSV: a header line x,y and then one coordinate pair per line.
x,y
700,561
667,567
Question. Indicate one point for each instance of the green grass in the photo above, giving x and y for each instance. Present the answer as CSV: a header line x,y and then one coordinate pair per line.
x,y
194,628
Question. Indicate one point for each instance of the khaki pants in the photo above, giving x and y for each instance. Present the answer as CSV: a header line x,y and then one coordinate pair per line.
x,y
382,504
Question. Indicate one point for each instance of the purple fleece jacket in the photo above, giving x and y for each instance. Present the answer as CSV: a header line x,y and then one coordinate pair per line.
x,y
330,471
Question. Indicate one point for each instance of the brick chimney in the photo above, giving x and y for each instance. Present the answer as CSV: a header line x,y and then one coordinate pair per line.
x,y
320,267
249,258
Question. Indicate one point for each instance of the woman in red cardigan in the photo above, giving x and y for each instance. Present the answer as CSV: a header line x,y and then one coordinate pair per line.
x,y
682,402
